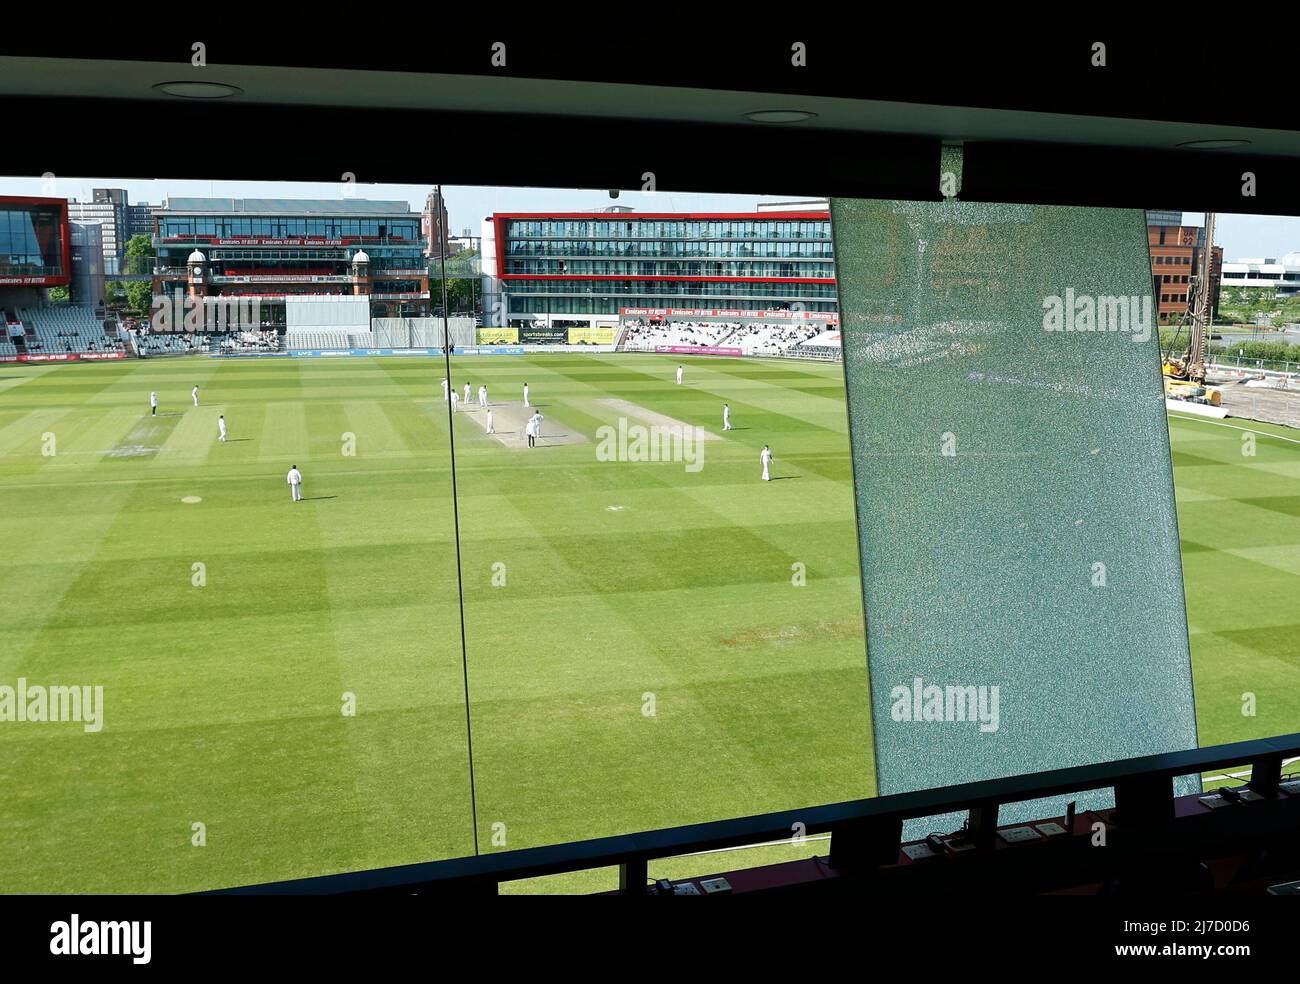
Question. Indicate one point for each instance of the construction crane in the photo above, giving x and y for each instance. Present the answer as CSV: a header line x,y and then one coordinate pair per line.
x,y
1190,366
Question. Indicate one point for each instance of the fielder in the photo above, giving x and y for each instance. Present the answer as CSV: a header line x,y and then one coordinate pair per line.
x,y
453,401
526,403
490,429
444,389
221,428
467,394
153,404
482,395
679,375
766,459
195,393
726,416
295,483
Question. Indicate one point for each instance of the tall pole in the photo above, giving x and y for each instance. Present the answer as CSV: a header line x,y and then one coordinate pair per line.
x,y
1201,313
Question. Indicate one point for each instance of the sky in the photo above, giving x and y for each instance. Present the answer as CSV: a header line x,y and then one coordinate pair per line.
x,y
1252,236
1239,235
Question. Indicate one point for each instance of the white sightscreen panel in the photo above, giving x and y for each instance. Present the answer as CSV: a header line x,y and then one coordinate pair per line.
x,y
1014,490
308,311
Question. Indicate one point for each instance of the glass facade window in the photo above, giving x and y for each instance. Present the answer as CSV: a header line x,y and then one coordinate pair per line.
x,y
597,265
396,229
30,241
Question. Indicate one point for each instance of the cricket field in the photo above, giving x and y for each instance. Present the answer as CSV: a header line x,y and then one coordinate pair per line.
x,y
645,642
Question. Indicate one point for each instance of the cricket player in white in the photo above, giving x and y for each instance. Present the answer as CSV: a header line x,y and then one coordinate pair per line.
x,y
482,395
195,393
766,459
491,429
453,401
467,394
295,483
679,375
221,427
726,416
526,403
153,404
444,389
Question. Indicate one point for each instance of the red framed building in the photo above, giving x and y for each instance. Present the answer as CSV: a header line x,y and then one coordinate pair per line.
x,y
578,269
35,242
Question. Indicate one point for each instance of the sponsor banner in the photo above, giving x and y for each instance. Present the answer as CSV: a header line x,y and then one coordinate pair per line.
x,y
496,336
8,358
730,314
33,281
334,353
100,356
256,241
592,336
698,350
489,350
543,335
287,278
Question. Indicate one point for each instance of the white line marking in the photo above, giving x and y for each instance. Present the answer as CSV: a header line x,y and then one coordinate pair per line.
x,y
1249,430
1242,775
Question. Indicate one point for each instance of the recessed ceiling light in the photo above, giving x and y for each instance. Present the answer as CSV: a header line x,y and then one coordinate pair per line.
x,y
199,90
780,115
1213,144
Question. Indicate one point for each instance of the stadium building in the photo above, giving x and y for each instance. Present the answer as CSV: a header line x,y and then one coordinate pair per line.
x,y
274,249
35,243
39,250
580,269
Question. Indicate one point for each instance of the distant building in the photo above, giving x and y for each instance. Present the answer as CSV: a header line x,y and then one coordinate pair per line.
x,y
433,225
1175,252
1164,217
111,209
1280,275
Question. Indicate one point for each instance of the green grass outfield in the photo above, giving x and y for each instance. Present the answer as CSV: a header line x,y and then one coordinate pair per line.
x,y
622,580
1239,523
223,702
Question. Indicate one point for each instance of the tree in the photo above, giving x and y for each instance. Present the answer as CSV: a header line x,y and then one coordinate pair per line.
x,y
60,295
140,254
139,295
